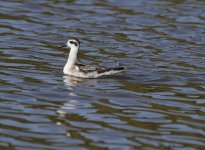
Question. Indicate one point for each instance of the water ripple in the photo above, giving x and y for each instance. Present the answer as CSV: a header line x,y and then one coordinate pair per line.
x,y
157,103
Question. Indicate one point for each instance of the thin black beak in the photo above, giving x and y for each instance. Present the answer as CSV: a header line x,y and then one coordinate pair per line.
x,y
63,46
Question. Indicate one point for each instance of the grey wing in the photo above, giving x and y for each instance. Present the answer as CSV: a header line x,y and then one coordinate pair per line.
x,y
89,68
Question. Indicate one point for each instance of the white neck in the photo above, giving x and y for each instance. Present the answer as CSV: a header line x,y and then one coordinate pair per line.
x,y
72,58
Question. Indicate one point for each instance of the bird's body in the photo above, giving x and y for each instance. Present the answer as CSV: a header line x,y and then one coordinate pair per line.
x,y
75,68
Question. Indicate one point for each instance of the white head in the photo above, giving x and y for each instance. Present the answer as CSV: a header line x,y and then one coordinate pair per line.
x,y
72,43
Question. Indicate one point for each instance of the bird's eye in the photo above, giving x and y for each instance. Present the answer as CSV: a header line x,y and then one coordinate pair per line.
x,y
72,42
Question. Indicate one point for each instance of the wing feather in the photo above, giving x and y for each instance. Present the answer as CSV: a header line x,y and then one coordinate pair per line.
x,y
89,68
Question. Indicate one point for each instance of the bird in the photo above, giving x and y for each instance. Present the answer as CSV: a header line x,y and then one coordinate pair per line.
x,y
74,67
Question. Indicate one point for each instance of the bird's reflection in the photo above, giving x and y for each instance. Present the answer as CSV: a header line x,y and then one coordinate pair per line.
x,y
74,97
71,81
79,94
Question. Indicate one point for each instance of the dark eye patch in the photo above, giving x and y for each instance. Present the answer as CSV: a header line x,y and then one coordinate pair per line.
x,y
75,43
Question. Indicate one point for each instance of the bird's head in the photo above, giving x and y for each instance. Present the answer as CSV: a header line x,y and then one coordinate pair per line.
x,y
72,43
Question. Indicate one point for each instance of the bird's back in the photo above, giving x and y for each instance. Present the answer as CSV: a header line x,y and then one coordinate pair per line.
x,y
92,71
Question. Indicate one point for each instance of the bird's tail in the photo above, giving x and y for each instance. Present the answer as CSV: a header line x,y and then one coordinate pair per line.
x,y
110,71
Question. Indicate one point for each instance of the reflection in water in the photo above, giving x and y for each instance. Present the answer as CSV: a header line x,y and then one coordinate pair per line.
x,y
73,84
71,81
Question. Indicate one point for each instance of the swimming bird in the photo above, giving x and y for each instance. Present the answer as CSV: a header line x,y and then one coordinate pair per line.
x,y
73,67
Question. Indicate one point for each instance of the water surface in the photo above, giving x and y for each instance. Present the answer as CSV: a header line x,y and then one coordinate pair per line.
x,y
157,103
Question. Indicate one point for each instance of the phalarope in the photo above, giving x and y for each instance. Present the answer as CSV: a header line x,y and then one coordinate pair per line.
x,y
75,68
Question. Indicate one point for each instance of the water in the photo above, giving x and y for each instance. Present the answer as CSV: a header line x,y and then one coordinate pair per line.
x,y
157,103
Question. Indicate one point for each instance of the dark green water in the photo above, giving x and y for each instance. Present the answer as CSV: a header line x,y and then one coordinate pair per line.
x,y
157,103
